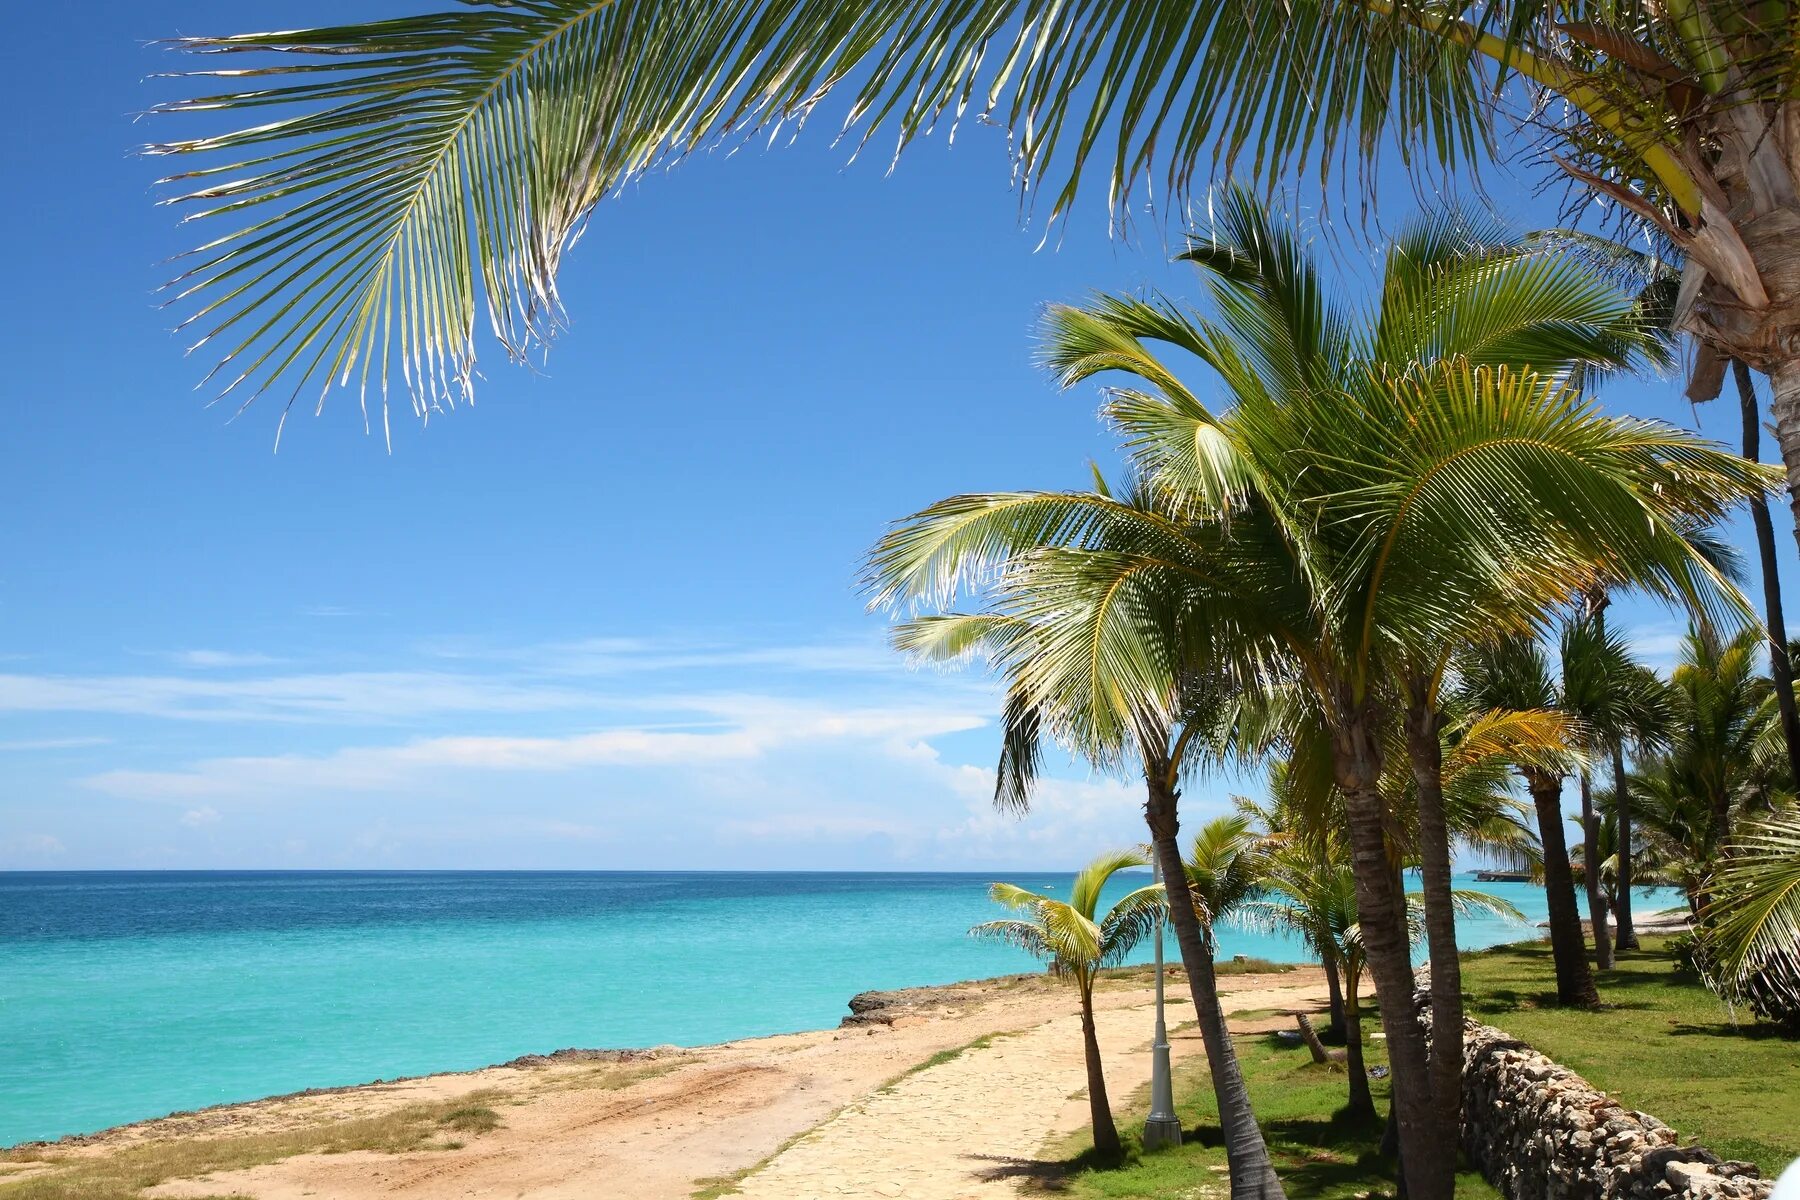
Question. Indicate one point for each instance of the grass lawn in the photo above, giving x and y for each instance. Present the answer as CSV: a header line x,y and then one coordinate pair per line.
x,y
1319,1152
1662,1044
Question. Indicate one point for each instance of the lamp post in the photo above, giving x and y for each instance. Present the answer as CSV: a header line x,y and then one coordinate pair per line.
x,y
1162,1127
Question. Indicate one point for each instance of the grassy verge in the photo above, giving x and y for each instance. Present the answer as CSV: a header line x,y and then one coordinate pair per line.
x,y
124,1174
1320,1152
1662,1044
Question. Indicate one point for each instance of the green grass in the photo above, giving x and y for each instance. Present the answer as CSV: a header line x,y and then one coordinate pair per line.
x,y
125,1174
1320,1152
1662,1044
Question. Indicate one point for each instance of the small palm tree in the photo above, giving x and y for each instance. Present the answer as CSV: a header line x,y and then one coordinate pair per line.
x,y
1076,942
1316,901
1751,918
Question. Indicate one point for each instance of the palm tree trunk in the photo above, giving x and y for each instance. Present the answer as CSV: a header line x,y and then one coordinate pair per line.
x,y
1362,1104
1574,982
1106,1134
1781,670
1428,1163
1624,934
1246,1154
1335,989
1425,750
1590,871
1784,406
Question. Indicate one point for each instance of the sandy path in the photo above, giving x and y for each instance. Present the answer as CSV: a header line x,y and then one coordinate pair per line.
x,y
968,1129
656,1132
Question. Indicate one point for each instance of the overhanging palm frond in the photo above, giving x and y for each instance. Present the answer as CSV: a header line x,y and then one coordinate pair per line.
x,y
394,183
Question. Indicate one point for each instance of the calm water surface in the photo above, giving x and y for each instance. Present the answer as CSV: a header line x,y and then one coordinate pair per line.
x,y
131,994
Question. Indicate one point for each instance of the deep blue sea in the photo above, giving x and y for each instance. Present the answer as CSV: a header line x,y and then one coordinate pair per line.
x,y
126,995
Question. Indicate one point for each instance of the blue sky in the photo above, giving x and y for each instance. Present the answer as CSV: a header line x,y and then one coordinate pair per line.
x,y
606,617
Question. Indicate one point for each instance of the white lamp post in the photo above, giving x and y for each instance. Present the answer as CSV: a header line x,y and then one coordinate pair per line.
x,y
1162,1127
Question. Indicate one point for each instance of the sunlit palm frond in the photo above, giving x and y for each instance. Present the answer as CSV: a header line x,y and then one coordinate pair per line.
x,y
382,188
1752,913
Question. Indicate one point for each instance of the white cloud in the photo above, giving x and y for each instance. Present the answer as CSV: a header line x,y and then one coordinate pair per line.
x,y
194,818
215,659
347,696
59,743
753,728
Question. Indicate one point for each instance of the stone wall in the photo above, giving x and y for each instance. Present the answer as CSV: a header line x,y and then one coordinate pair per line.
x,y
1538,1131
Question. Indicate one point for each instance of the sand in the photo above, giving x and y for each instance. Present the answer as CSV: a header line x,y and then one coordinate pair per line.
x,y
862,1111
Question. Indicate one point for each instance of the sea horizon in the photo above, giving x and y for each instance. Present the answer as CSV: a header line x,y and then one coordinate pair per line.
x,y
127,995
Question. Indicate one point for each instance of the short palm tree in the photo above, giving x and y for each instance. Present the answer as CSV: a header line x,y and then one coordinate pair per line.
x,y
1316,901
1076,941
1751,917
1378,493
391,183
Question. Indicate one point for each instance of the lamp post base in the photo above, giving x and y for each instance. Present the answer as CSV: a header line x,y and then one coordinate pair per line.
x,y
1161,1131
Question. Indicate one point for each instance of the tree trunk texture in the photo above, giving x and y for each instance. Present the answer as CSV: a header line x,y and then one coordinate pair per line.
x,y
1335,989
1428,1162
1362,1104
1574,982
1784,406
1246,1154
1425,750
1780,669
1590,871
1106,1134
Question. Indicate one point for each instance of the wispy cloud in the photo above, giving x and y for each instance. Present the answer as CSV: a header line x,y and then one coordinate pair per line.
x,y
52,743
755,727
346,696
219,659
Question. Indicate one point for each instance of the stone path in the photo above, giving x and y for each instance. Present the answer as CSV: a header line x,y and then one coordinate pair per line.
x,y
971,1128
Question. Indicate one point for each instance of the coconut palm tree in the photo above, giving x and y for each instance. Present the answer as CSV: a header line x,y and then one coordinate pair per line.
x,y
1377,492
1725,757
1611,699
1316,901
1751,918
1178,718
1076,941
1515,673
384,186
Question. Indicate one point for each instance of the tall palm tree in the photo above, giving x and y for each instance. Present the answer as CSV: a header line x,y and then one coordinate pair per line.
x,y
1177,719
389,184
1515,673
1611,699
1076,941
1376,493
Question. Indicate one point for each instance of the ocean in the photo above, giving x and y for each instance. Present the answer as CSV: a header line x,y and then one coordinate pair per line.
x,y
126,995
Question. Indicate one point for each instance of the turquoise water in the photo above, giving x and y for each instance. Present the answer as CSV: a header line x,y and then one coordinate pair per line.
x,y
129,995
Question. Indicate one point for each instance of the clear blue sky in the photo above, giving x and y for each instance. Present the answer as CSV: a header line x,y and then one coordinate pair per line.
x,y
605,618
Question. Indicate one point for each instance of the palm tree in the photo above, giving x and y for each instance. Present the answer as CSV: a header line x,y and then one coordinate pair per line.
x,y
1751,918
1725,757
1176,720
1077,943
1611,698
1377,493
1315,900
1515,674
391,183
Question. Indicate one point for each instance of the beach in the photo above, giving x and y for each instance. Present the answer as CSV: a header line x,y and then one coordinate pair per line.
x,y
941,1092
